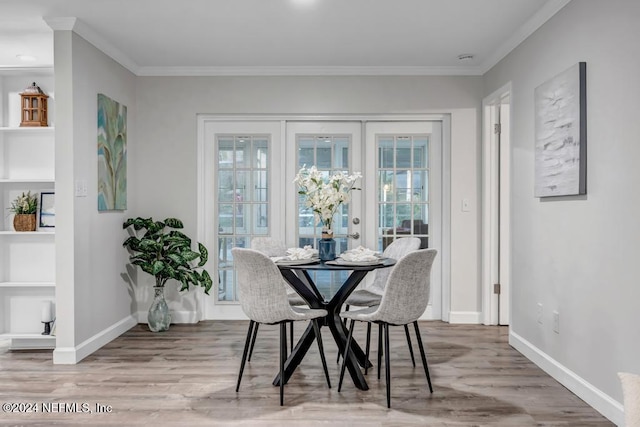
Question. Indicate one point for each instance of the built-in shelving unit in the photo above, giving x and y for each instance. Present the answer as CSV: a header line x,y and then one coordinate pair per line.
x,y
27,259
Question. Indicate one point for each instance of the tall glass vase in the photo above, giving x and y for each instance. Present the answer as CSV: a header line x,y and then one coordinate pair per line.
x,y
159,316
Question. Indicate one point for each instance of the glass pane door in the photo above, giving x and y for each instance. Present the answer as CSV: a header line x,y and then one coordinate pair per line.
x,y
239,170
242,194
331,147
404,189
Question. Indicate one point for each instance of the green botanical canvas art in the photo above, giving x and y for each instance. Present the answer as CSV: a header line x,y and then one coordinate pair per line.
x,y
112,154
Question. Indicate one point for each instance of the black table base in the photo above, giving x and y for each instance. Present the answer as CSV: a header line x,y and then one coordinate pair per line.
x,y
304,285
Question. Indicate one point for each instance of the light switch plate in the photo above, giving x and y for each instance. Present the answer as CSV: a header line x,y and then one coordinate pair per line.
x,y
80,188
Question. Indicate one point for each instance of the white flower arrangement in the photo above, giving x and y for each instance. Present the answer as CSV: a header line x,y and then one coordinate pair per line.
x,y
324,195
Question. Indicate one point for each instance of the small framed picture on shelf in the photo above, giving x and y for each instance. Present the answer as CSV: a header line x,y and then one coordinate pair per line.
x,y
47,209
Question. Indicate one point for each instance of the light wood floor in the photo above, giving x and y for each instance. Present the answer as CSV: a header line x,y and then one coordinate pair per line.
x,y
187,377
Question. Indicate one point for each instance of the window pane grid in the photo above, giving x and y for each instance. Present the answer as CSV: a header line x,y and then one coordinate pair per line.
x,y
242,200
402,187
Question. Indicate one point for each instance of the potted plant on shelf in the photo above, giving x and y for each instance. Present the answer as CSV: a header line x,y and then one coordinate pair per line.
x,y
24,207
159,249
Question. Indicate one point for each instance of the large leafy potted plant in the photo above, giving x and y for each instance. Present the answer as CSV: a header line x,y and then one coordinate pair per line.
x,y
161,250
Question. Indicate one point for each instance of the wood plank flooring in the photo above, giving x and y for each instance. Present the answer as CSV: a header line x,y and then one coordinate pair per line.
x,y
187,377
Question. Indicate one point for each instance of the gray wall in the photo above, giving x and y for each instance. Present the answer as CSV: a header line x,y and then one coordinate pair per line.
x,y
166,120
91,296
578,255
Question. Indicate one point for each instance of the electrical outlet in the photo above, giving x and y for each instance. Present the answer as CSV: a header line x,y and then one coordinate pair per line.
x,y
539,313
556,322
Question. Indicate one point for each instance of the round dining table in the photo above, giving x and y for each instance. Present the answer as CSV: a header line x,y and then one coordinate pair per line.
x,y
297,275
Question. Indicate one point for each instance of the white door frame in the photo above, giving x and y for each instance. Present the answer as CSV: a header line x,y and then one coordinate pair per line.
x,y
496,234
204,230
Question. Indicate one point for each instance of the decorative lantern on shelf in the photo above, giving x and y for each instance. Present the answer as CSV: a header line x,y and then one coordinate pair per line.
x,y
34,106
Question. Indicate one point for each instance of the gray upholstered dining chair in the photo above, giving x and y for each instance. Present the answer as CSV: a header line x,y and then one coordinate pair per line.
x,y
405,299
272,248
263,299
369,296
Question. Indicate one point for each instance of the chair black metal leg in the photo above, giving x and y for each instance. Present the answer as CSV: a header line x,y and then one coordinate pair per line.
x,y
367,346
380,351
283,356
253,341
346,308
406,331
316,328
244,353
291,338
387,365
424,358
346,353
286,346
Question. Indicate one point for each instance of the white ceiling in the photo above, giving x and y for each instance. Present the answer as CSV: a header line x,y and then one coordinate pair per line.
x,y
212,37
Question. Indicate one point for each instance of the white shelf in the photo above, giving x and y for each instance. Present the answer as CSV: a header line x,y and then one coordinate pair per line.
x,y
29,341
27,259
27,129
27,233
27,285
27,181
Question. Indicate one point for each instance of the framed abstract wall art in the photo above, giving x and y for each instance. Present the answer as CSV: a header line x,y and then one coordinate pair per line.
x,y
112,154
561,134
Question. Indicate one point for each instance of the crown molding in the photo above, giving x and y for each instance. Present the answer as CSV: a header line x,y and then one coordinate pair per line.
x,y
44,70
309,71
61,24
83,30
542,16
537,20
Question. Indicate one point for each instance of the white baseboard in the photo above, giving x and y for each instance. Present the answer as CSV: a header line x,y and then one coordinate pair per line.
x,y
465,317
73,355
596,398
182,316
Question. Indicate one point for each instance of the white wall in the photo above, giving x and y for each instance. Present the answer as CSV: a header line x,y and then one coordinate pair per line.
x,y
166,123
94,301
578,255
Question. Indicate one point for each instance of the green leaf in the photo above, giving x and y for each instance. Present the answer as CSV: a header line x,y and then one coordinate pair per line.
x,y
204,254
155,227
174,223
206,279
158,266
175,233
143,257
189,255
140,223
132,243
148,245
176,258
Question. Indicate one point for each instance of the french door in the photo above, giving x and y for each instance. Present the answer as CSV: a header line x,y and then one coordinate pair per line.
x,y
246,174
